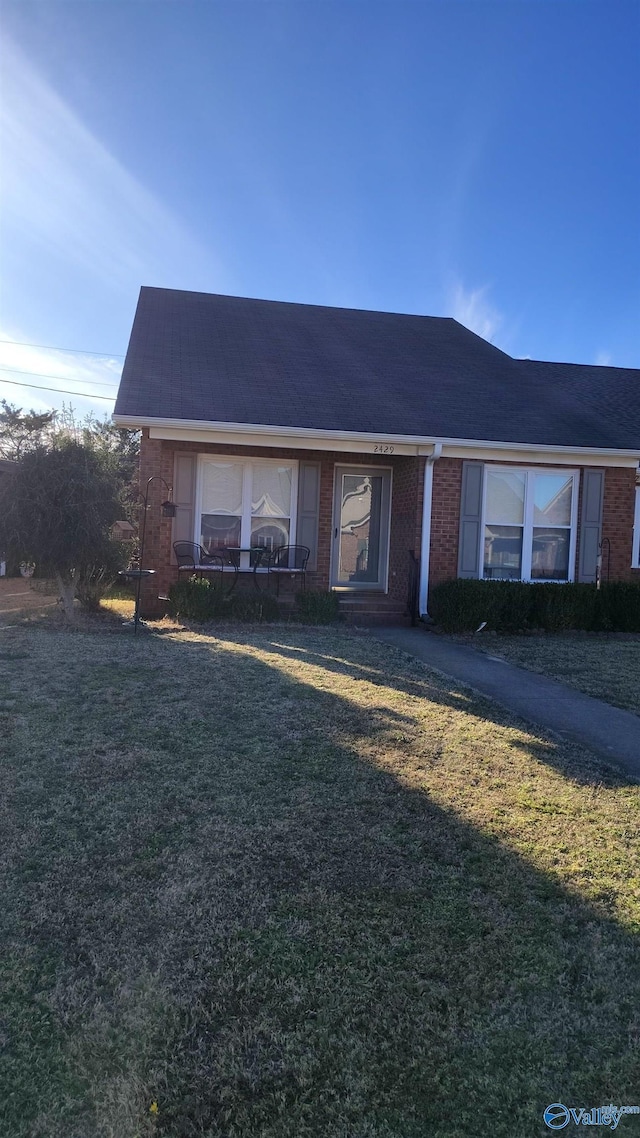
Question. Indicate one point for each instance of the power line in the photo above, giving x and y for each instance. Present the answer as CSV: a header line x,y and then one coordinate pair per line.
x,y
60,390
45,375
52,348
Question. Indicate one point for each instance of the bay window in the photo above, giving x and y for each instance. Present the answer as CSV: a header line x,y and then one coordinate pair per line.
x,y
529,524
244,504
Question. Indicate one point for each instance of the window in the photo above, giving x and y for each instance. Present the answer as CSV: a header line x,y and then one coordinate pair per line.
x,y
245,504
529,524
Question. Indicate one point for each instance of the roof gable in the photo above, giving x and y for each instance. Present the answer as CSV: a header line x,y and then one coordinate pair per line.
x,y
206,357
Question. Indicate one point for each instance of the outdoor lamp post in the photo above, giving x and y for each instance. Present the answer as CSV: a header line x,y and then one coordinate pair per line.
x,y
168,508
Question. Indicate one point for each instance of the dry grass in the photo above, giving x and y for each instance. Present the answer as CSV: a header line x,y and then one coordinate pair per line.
x,y
118,606
605,667
288,883
23,599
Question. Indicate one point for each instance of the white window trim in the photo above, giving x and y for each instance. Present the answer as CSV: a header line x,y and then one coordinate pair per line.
x,y
635,555
245,524
528,526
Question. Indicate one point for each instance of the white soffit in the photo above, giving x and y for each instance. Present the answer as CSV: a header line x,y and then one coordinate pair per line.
x,y
239,434
567,456
291,442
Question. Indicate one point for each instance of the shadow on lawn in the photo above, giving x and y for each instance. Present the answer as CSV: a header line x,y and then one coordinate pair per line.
x,y
330,952
416,681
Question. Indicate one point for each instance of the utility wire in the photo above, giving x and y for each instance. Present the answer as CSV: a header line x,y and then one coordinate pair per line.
x,y
45,375
60,390
51,348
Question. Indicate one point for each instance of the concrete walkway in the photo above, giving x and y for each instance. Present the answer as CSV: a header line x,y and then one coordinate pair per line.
x,y
604,729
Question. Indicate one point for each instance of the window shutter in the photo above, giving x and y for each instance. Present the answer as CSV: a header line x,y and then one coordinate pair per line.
x,y
590,522
470,515
308,509
184,496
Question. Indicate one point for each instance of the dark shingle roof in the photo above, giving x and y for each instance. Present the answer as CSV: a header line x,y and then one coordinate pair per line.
x,y
196,356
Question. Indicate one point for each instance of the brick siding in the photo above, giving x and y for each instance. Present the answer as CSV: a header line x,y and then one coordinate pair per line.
x,y
445,520
618,509
157,458
617,523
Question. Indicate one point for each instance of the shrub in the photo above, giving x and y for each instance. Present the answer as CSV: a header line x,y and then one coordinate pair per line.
x,y
317,608
622,600
259,607
205,599
95,580
197,599
510,606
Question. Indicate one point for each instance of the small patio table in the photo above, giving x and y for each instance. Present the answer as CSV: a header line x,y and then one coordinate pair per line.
x,y
235,556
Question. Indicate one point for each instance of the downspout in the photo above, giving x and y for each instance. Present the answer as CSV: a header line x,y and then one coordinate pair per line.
x,y
425,544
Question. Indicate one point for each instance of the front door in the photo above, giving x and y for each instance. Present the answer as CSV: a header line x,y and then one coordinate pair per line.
x,y
360,553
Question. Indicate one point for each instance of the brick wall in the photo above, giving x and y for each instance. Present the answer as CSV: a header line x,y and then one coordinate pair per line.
x,y
406,522
445,520
617,523
157,457
618,509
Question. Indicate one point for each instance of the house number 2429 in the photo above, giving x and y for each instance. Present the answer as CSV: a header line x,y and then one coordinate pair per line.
x,y
383,448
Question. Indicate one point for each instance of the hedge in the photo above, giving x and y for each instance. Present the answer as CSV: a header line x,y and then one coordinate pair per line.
x,y
205,600
202,600
514,606
317,608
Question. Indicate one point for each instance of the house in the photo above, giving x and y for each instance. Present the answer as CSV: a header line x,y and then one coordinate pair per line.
x,y
123,531
377,439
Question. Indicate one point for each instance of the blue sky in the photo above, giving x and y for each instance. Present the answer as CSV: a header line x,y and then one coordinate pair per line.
x,y
461,157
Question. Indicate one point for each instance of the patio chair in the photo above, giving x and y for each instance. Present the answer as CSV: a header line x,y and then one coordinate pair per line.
x,y
288,561
192,558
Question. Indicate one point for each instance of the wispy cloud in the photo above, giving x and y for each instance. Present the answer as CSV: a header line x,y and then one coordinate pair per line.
x,y
603,359
473,308
86,382
65,192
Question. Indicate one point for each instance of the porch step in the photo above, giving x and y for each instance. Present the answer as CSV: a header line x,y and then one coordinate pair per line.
x,y
374,609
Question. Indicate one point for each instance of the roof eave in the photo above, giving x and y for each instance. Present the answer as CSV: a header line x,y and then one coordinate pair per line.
x,y
137,422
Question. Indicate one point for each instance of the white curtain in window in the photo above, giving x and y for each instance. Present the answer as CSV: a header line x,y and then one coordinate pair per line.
x,y
222,488
271,491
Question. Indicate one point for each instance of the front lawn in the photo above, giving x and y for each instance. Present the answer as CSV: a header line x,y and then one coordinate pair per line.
x,y
23,599
285,882
605,667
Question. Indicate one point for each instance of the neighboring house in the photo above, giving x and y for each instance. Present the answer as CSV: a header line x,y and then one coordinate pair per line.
x,y
368,436
123,531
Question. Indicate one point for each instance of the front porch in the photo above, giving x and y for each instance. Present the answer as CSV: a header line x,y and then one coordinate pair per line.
x,y
359,514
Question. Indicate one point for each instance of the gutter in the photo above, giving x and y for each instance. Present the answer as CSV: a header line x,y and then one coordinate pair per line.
x,y
425,545
137,422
